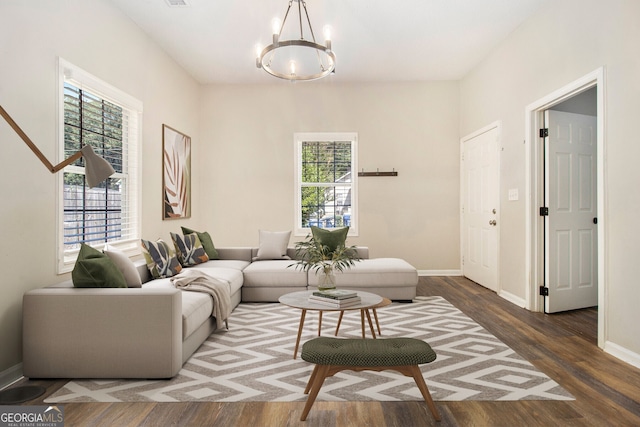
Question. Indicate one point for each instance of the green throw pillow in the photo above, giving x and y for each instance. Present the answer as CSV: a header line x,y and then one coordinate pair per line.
x,y
161,261
94,269
205,239
189,249
330,238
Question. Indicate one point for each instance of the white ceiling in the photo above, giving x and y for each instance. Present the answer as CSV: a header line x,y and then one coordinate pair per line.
x,y
374,40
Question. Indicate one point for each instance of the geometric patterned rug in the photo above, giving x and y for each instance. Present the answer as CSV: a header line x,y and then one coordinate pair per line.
x,y
253,361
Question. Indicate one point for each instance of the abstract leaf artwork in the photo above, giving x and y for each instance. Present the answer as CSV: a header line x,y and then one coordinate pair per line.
x,y
176,177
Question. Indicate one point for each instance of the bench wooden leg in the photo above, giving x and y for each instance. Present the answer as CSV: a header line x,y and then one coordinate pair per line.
x,y
318,376
422,386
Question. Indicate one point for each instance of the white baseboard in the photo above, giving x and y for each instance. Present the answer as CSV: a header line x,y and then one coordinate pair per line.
x,y
512,298
11,375
439,273
622,353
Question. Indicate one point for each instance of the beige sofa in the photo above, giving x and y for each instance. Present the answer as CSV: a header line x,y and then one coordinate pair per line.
x,y
149,332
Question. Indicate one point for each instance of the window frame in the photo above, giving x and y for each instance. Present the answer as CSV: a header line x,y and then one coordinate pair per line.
x,y
298,139
70,73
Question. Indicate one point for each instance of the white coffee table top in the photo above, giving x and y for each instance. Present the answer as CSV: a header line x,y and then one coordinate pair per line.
x,y
301,300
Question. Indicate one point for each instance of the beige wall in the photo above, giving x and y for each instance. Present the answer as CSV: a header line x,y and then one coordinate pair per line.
x,y
92,35
247,137
566,40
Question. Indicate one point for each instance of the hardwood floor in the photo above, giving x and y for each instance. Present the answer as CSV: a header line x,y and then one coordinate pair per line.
x,y
563,346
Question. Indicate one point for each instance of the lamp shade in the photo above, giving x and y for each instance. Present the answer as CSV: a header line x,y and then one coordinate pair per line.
x,y
97,169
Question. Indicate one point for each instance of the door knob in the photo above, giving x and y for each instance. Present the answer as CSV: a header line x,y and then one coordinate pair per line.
x,y
492,222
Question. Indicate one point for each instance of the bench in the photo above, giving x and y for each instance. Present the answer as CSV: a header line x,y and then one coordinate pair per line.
x,y
332,355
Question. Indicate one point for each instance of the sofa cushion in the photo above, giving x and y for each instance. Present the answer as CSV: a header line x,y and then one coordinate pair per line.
x,y
196,306
274,273
273,245
330,238
125,265
206,240
161,261
189,249
93,269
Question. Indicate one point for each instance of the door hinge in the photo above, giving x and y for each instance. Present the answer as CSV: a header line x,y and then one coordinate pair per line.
x,y
544,133
544,291
544,211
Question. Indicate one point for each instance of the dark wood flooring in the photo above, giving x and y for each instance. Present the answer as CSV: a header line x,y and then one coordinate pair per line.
x,y
563,346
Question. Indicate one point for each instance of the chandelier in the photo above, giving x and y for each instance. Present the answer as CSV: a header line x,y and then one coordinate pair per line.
x,y
297,58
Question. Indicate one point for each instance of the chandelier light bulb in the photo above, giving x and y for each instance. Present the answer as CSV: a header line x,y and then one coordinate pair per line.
x,y
292,67
275,26
326,30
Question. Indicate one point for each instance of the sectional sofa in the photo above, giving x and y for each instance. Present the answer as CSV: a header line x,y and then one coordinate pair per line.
x,y
150,331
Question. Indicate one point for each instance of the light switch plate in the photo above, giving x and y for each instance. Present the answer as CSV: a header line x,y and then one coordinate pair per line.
x,y
513,194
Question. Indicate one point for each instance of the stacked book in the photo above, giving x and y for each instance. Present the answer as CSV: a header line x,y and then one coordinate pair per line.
x,y
336,298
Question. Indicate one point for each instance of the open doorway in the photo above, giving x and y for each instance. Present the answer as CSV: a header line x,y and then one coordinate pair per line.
x,y
577,96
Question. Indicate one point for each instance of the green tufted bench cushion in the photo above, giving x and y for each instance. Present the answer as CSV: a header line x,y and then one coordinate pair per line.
x,y
332,355
367,353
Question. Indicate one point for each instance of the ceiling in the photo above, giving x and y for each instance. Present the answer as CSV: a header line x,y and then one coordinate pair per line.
x,y
374,40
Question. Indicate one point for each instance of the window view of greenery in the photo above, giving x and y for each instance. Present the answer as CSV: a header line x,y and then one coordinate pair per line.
x,y
92,215
326,183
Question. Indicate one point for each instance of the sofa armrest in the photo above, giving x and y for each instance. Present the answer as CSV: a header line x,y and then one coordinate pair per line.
x,y
102,333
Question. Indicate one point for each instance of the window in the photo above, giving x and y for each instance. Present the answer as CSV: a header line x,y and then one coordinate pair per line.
x,y
94,113
326,181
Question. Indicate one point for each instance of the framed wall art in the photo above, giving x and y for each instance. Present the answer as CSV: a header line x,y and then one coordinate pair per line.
x,y
176,174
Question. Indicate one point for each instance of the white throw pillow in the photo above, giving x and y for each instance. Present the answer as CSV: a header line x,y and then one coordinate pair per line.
x,y
273,245
125,265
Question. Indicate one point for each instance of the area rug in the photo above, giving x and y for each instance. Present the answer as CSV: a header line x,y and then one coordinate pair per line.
x,y
253,361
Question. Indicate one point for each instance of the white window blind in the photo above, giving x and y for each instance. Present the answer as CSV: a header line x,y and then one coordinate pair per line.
x,y
94,113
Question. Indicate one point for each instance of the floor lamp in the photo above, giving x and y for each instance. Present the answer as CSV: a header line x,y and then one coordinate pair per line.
x,y
97,170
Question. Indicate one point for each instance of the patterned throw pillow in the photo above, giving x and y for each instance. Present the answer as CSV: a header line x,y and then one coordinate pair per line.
x,y
189,249
161,261
206,240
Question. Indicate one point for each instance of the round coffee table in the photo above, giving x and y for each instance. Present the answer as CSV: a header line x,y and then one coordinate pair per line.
x,y
301,301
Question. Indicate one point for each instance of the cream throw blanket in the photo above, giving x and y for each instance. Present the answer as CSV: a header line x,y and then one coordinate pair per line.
x,y
194,280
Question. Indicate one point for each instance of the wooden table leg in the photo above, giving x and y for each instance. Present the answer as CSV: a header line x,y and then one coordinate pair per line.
x,y
319,322
339,322
302,316
362,321
373,333
375,316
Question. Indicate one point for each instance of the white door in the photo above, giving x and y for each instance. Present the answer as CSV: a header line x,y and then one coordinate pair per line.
x,y
480,181
570,229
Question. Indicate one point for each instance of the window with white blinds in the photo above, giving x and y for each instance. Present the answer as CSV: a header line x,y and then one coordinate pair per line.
x,y
94,113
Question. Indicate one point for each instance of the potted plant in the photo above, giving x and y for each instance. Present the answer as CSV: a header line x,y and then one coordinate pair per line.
x,y
323,259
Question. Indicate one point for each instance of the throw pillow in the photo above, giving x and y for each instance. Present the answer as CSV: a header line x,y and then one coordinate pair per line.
x,y
94,269
205,239
125,265
161,261
273,245
330,238
189,249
